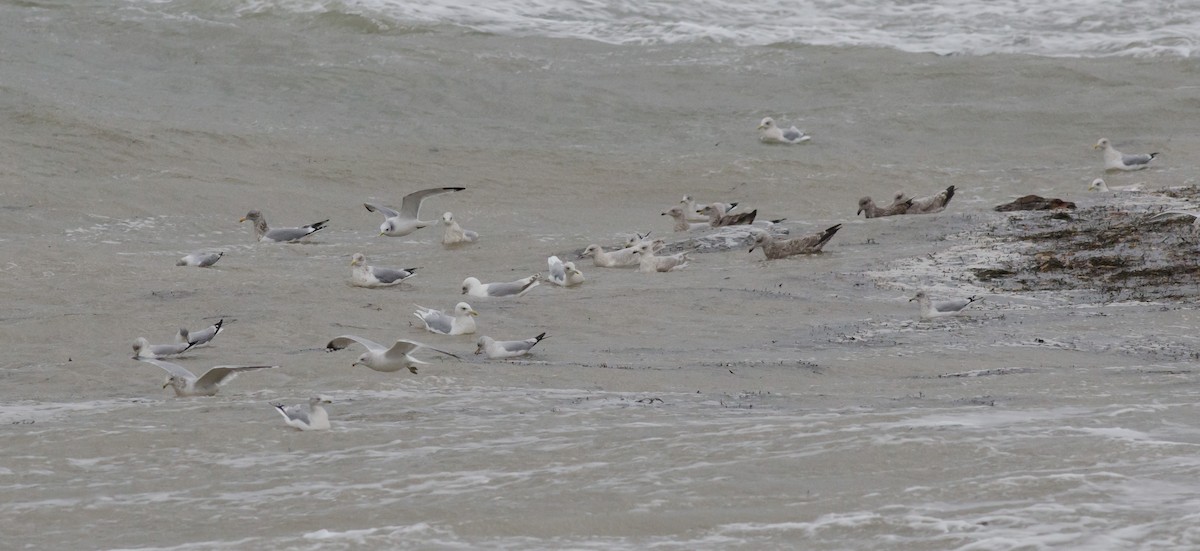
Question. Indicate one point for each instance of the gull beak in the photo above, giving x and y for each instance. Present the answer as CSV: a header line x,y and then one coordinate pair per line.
x,y
478,351
752,249
166,384
858,213
762,126
353,263
243,219
381,234
1097,146
473,313
662,214
912,299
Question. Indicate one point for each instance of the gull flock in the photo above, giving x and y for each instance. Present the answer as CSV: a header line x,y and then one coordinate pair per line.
x,y
641,252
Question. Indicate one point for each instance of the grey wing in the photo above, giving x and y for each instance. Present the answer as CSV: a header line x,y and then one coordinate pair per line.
x,y
792,134
517,346
224,373
168,349
558,272
287,234
412,202
343,341
385,211
1136,159
437,321
209,259
505,289
951,305
388,275
470,235
295,413
174,369
410,346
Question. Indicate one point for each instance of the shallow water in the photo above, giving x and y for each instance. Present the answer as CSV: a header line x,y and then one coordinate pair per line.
x,y
736,404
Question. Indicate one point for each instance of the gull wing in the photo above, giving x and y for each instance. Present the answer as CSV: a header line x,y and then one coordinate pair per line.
x,y
224,373
411,205
174,369
343,341
385,211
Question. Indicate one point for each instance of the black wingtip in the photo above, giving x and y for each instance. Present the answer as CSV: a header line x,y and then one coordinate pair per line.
x,y
973,298
454,188
1153,155
540,337
319,225
779,221
219,323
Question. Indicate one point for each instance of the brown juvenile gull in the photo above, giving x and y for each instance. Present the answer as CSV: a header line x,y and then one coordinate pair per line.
x,y
280,235
406,220
931,204
454,234
779,247
472,287
769,132
930,310
313,418
362,275
200,259
867,207
621,258
506,349
437,321
380,358
1115,160
717,216
143,349
187,384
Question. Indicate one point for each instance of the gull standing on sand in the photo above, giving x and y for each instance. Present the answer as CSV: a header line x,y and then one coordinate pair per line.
x,y
380,358
453,233
867,205
187,384
200,259
564,274
931,204
505,349
620,258
681,222
201,337
930,310
777,247
472,287
1115,160
280,235
407,219
769,132
437,321
362,275
143,349
649,263
313,418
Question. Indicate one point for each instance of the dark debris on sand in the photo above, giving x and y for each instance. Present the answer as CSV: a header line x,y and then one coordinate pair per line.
x,y
1108,249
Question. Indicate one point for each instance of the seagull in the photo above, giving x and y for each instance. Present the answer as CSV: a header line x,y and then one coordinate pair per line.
x,y
769,132
867,205
472,287
930,310
1099,185
387,360
717,216
362,275
691,209
621,258
200,259
1115,160
506,349
406,220
775,247
143,349
931,204
564,274
454,234
201,337
313,418
637,239
186,384
681,221
280,235
437,321
649,263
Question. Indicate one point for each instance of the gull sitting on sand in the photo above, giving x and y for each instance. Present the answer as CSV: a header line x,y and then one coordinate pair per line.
x,y
637,239
505,349
280,235
563,274
407,219
200,259
867,207
930,309
437,321
362,275
620,258
472,287
187,384
780,247
649,263
143,349
769,132
930,204
1115,160
717,216
453,234
312,418
692,211
380,358
1099,185
201,337
681,222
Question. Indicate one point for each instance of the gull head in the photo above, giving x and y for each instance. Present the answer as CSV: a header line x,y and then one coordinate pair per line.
x,y
864,204
919,297
447,218
1102,144
254,215
468,284
387,227
674,212
591,250
318,400
1098,185
465,309
364,359
480,345
175,382
358,259
766,123
760,237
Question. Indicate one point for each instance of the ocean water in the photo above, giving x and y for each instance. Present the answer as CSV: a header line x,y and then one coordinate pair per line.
x,y
737,404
